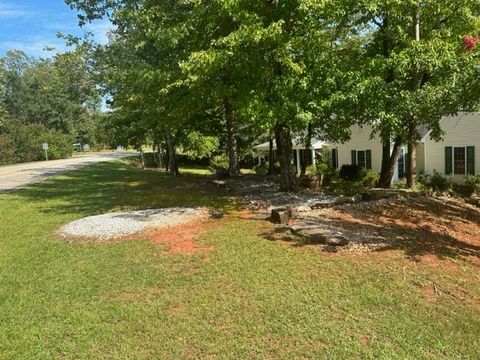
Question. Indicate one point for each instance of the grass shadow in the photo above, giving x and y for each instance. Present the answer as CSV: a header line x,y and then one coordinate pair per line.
x,y
116,185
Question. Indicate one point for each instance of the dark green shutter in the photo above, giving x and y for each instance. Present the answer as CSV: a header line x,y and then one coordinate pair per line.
x,y
407,162
354,157
401,164
334,158
368,159
448,160
471,160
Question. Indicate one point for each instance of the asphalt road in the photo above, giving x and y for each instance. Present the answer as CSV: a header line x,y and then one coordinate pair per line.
x,y
15,176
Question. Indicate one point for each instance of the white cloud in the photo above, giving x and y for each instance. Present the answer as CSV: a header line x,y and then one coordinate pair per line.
x,y
36,46
11,11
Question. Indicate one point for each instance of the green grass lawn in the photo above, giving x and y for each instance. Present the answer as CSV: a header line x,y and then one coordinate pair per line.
x,y
247,298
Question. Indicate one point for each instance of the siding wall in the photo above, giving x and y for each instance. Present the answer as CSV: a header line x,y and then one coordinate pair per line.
x,y
360,140
460,130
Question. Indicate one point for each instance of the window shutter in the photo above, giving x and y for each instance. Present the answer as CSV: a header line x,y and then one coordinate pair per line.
x,y
368,159
448,160
354,157
471,160
335,158
401,164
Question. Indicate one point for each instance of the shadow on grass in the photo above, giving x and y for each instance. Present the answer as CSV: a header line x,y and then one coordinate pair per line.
x,y
115,185
417,227
423,226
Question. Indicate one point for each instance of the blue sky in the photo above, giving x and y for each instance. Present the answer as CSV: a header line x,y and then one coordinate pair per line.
x,y
32,25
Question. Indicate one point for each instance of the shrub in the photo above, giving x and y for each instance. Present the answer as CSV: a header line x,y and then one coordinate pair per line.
x,y
59,145
440,183
219,164
369,178
472,184
23,143
260,169
434,181
351,172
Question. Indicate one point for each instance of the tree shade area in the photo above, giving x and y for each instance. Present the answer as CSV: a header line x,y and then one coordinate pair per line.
x,y
211,78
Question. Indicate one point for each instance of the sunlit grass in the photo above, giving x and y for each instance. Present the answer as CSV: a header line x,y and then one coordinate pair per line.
x,y
247,298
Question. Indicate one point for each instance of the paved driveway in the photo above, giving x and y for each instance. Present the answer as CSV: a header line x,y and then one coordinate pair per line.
x,y
15,176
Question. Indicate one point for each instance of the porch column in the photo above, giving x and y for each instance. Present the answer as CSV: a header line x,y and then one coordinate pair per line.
x,y
299,168
314,160
259,159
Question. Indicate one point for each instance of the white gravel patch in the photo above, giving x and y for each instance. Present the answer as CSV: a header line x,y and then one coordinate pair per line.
x,y
114,225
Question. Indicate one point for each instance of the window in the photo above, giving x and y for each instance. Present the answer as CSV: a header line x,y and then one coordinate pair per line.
x,y
459,161
361,158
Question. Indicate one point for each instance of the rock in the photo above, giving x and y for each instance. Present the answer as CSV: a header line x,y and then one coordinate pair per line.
x,y
337,240
281,215
217,213
357,198
317,234
312,233
341,200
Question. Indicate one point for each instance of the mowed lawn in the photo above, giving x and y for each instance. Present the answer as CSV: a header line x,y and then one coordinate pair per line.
x,y
244,298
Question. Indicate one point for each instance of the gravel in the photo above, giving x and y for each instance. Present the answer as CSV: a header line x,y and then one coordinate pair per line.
x,y
114,225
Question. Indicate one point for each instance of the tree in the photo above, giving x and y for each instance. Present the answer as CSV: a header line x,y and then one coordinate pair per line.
x,y
412,69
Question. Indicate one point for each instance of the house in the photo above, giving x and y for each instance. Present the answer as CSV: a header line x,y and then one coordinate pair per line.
x,y
301,154
456,155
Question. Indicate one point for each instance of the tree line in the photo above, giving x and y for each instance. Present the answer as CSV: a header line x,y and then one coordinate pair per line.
x,y
283,67
46,100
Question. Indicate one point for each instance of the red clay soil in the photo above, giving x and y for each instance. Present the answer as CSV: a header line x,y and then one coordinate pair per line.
x,y
181,239
419,226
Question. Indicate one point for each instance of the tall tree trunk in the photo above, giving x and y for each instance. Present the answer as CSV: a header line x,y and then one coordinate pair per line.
x,y
412,161
142,158
283,139
308,147
271,164
157,155
172,156
233,167
412,126
389,160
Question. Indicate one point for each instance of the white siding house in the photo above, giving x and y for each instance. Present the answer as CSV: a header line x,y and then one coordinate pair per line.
x,y
457,155
361,149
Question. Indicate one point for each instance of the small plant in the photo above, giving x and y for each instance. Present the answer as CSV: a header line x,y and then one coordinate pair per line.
x,y
219,164
472,184
351,172
369,178
440,183
260,169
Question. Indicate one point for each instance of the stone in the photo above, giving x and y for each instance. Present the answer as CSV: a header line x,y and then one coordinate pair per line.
x,y
341,200
217,213
317,234
312,233
337,240
281,215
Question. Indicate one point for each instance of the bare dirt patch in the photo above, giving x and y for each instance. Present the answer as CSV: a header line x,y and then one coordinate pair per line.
x,y
181,239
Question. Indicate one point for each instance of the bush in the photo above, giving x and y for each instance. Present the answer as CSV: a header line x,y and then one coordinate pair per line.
x,y
219,164
351,172
440,183
59,145
261,169
23,143
472,184
434,181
